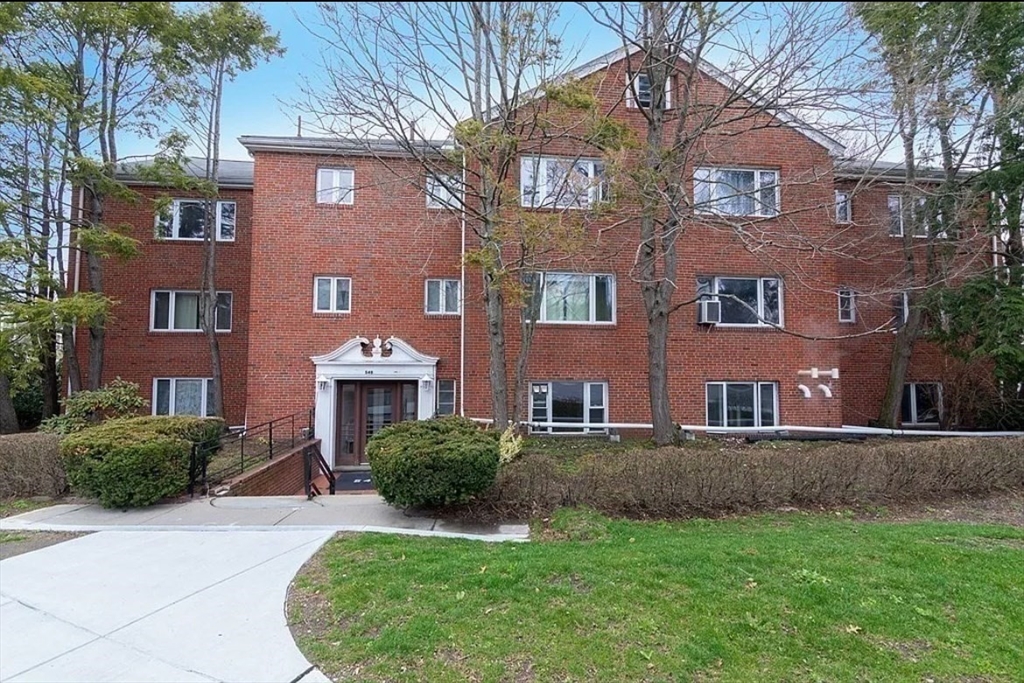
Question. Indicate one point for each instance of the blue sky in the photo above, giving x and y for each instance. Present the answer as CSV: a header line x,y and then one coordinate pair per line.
x,y
263,101
266,101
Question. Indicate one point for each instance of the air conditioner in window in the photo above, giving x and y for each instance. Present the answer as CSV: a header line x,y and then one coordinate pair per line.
x,y
709,312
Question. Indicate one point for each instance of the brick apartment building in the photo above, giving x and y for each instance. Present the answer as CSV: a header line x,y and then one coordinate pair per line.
x,y
344,290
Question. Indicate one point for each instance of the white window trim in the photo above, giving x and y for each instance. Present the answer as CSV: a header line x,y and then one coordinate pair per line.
x,y
336,190
761,322
913,402
852,294
174,388
920,202
757,404
844,198
596,193
631,102
442,300
170,314
433,202
905,299
543,313
176,221
455,396
334,294
583,428
709,210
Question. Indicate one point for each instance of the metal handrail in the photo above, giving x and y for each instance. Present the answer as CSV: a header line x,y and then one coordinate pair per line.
x,y
313,457
254,444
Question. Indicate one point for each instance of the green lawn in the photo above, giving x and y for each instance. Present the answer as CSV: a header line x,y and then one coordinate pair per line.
x,y
770,598
11,537
16,506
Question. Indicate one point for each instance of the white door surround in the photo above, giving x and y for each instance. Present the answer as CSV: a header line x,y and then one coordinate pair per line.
x,y
360,359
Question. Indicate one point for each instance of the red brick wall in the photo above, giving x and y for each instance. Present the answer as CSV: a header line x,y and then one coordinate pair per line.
x,y
872,262
617,354
282,476
387,241
136,354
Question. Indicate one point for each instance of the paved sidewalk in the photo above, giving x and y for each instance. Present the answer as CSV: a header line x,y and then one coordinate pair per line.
x,y
280,513
174,606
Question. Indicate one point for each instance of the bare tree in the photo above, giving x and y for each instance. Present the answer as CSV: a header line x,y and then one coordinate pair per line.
x,y
793,64
461,89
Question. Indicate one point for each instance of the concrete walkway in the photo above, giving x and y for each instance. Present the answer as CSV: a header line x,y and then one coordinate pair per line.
x,y
154,606
324,513
178,593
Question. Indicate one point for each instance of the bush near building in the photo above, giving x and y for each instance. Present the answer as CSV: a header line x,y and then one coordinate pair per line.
x,y
30,466
433,463
712,477
134,462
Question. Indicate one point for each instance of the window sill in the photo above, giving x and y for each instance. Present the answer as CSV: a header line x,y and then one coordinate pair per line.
x,y
743,326
748,216
573,323
331,314
170,332
187,240
441,315
339,205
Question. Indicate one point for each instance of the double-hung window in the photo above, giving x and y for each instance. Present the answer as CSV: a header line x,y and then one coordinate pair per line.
x,y
754,301
332,295
185,219
900,221
335,186
922,403
178,311
900,309
562,183
443,191
445,397
183,396
572,298
742,404
736,191
847,306
844,207
577,404
442,297
638,94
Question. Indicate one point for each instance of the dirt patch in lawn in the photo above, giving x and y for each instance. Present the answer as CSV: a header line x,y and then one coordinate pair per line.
x,y
1006,507
20,542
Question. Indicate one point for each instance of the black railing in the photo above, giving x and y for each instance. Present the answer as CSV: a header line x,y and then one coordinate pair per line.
x,y
215,461
313,466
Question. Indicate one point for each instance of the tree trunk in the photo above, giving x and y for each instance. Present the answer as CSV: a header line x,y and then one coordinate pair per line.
x,y
657,378
902,350
208,318
71,359
97,331
8,417
494,303
50,375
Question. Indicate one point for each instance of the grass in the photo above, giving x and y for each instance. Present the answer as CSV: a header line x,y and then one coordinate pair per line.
x,y
11,537
16,506
768,598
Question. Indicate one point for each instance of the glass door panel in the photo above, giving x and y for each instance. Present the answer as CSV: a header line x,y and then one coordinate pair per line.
x,y
379,409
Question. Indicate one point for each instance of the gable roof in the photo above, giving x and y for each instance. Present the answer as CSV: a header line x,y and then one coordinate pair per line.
x,y
834,147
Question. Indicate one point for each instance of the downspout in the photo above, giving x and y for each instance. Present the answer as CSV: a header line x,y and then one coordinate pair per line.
x,y
462,294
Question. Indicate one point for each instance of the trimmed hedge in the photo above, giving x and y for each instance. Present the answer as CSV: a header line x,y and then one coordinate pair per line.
x,y
30,466
432,462
699,481
134,462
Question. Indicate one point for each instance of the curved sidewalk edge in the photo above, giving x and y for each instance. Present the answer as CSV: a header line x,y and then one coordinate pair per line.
x,y
361,514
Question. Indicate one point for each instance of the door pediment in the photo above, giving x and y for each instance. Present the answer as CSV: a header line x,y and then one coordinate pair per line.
x,y
362,351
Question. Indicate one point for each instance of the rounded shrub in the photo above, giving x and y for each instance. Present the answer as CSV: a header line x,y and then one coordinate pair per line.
x,y
134,462
432,462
